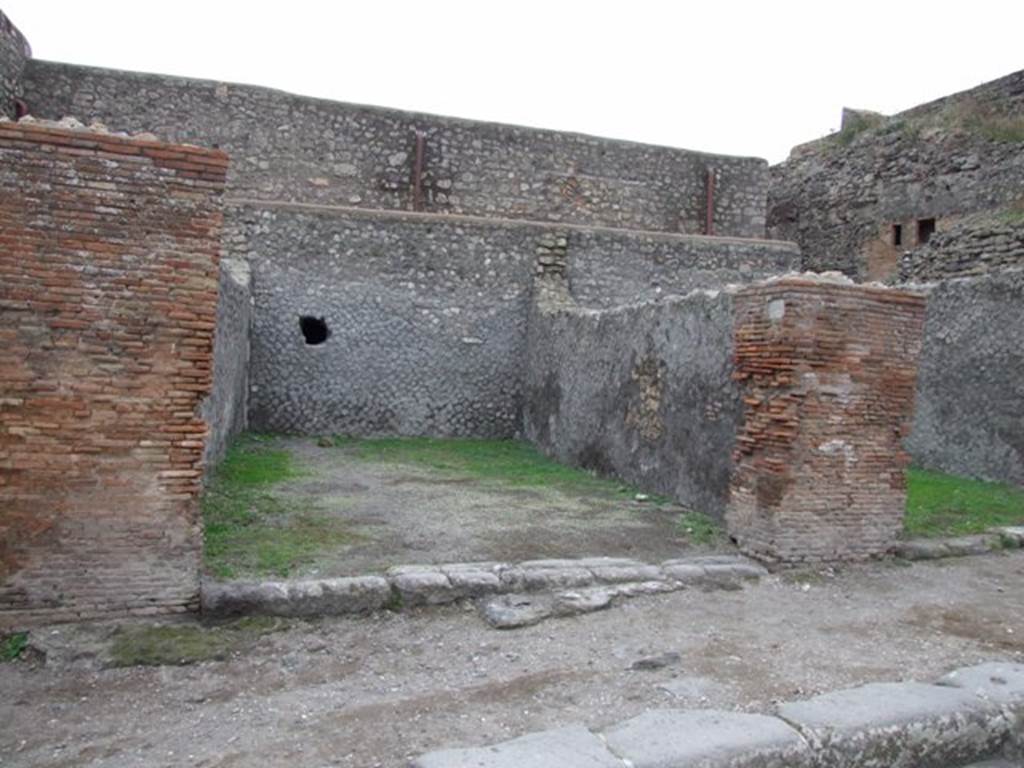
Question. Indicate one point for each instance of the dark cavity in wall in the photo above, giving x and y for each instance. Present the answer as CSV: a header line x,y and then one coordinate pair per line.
x,y
925,229
314,329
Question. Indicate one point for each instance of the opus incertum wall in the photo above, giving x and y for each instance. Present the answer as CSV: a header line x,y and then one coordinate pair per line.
x,y
108,290
14,52
293,148
374,323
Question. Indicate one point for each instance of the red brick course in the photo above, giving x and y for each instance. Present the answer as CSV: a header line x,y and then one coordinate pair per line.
x,y
828,374
109,252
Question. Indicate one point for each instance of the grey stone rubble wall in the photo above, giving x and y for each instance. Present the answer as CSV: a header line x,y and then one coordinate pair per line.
x,y
833,198
14,52
226,407
968,414
427,313
420,585
1004,95
974,713
606,270
644,392
975,246
288,147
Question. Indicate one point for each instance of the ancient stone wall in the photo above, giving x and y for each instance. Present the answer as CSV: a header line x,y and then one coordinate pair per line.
x,y
858,200
969,419
14,52
427,315
225,410
827,373
293,148
108,290
643,392
974,245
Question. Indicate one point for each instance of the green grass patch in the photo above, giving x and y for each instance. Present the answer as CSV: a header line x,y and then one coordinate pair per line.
x,y
248,529
178,644
508,462
13,645
945,505
700,529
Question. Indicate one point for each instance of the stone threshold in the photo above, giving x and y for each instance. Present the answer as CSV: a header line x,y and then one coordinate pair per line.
x,y
577,586
1011,537
972,714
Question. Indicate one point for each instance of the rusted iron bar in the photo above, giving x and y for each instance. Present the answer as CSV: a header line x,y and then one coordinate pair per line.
x,y
709,198
417,173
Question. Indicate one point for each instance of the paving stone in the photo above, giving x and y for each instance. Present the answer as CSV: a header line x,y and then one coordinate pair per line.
x,y
570,747
577,601
707,738
616,573
537,577
1014,534
425,586
972,545
689,574
474,581
923,724
514,611
1002,682
640,588
922,549
236,597
356,594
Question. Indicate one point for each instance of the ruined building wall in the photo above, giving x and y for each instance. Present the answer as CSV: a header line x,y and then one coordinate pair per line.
x,y
643,392
294,148
975,245
108,289
840,197
827,373
14,52
428,315
969,418
225,410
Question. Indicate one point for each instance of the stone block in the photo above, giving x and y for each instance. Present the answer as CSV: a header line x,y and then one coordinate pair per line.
x,y
707,739
922,549
1001,682
537,577
422,585
474,579
925,725
570,747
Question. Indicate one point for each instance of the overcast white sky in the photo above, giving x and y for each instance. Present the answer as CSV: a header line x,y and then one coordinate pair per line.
x,y
748,78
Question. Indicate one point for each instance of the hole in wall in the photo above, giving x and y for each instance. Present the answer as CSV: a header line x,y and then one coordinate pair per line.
x,y
314,329
897,234
925,229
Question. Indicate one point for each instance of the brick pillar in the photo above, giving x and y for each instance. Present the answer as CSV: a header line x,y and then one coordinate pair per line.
x,y
827,372
109,251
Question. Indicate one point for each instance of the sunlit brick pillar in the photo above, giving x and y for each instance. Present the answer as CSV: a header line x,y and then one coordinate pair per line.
x,y
109,252
827,370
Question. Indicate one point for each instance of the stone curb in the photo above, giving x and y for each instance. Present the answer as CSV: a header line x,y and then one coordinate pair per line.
x,y
974,714
1011,537
423,585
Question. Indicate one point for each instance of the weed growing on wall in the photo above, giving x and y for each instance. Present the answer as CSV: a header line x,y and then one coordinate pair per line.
x,y
13,645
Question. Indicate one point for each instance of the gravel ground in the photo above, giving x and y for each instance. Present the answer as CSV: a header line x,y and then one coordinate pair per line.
x,y
373,691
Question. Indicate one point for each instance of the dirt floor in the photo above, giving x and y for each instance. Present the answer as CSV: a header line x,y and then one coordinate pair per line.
x,y
415,514
374,691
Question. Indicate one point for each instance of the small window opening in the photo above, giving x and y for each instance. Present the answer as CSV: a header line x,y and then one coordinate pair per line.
x,y
20,109
314,329
897,234
925,229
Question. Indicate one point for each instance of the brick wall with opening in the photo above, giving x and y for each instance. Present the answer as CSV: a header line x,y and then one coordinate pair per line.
x,y
827,373
109,252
